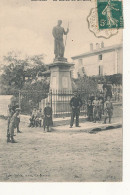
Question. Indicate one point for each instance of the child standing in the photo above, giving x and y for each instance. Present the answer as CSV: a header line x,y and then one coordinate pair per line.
x,y
100,109
33,118
90,110
95,109
39,118
108,109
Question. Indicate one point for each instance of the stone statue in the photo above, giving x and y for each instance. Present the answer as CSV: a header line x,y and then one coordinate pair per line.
x,y
58,33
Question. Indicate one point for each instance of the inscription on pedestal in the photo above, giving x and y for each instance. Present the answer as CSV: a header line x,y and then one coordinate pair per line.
x,y
65,82
54,82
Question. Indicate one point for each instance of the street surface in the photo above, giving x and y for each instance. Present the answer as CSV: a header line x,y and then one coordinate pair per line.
x,y
60,156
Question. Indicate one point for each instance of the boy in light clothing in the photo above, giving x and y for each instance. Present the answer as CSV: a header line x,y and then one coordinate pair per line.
x,y
108,109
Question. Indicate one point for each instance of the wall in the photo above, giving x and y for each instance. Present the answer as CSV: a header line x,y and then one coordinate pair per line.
x,y
120,60
4,102
111,63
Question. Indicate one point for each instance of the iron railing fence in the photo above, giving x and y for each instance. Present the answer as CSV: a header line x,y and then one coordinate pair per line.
x,y
59,99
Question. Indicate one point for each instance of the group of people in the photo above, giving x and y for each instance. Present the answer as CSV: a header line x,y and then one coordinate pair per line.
x,y
36,120
13,122
96,107
39,118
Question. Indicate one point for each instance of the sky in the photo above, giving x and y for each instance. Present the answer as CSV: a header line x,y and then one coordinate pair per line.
x,y
26,26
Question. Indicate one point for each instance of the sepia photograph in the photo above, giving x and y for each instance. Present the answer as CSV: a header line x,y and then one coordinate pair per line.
x,y
61,91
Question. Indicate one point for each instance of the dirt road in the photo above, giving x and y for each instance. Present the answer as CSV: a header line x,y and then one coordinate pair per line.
x,y
61,156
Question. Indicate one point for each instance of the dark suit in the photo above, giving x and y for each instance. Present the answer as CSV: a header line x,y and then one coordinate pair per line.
x,y
75,104
47,117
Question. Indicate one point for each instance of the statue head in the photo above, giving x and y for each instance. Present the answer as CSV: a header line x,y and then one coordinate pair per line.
x,y
109,2
59,22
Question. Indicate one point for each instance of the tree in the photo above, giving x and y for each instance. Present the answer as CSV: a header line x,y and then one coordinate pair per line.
x,y
36,65
33,93
85,84
14,79
13,76
15,70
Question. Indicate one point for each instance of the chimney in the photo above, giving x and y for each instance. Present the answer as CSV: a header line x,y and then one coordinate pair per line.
x,y
91,46
97,45
102,44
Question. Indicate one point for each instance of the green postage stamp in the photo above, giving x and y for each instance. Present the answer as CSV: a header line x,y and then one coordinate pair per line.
x,y
110,14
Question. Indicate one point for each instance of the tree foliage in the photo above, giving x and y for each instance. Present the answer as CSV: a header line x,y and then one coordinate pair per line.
x,y
22,76
15,71
85,84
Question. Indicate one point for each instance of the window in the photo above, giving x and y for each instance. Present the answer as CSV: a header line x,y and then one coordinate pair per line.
x,y
100,70
100,57
80,62
83,71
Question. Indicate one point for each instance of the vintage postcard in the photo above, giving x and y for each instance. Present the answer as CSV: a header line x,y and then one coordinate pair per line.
x,y
61,68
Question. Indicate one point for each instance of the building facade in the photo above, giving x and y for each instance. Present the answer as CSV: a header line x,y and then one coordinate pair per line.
x,y
99,61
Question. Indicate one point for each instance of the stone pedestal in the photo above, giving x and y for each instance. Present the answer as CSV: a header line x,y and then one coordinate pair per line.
x,y
60,75
60,85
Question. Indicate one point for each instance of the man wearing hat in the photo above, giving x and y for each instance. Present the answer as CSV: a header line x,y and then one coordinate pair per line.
x,y
75,104
14,107
13,125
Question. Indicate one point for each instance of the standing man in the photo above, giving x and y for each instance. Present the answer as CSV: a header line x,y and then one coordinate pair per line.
x,y
47,117
13,125
58,33
75,104
17,118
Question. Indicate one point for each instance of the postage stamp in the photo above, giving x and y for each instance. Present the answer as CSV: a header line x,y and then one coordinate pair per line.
x,y
93,26
110,14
